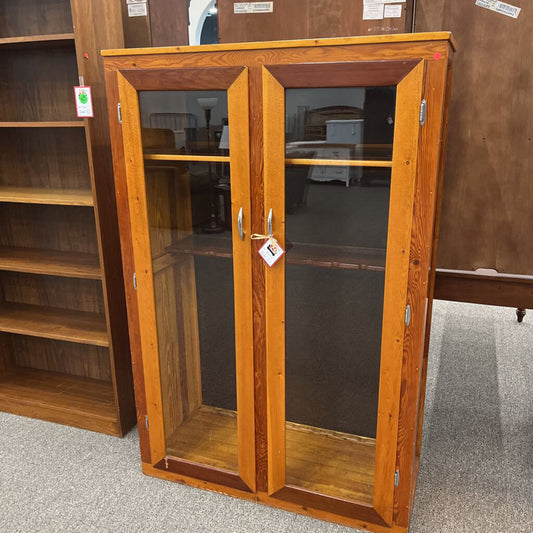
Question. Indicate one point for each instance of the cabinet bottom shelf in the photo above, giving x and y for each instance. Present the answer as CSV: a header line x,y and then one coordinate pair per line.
x,y
61,398
326,462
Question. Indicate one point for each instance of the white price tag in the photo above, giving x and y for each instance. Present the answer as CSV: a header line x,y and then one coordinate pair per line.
x,y
271,251
84,101
138,9
373,12
500,7
253,7
393,12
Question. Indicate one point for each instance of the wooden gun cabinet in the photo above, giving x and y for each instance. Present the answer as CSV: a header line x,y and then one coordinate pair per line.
x,y
296,385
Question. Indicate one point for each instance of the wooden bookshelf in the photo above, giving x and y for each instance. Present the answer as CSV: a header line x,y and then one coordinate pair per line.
x,y
43,124
53,323
50,262
27,195
62,398
57,39
64,347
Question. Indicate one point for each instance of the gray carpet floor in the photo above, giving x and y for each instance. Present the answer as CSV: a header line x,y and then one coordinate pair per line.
x,y
476,473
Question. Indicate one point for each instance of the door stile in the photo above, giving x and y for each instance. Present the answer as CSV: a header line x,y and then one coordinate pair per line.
x,y
404,170
238,111
133,154
274,172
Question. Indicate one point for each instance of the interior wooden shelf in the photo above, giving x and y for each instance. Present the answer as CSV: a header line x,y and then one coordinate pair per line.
x,y
329,462
62,398
53,323
339,162
43,124
37,40
31,195
50,262
318,255
186,157
208,437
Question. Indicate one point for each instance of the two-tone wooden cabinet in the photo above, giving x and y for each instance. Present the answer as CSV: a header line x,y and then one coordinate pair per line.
x,y
299,384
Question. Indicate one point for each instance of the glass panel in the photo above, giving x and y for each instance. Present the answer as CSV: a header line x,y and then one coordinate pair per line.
x,y
184,122
336,239
340,123
193,284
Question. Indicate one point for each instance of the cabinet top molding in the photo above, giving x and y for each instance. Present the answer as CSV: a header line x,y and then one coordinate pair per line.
x,y
299,43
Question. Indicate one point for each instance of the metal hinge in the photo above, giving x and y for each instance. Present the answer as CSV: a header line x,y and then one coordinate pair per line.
x,y
396,478
135,281
146,423
423,112
407,315
119,113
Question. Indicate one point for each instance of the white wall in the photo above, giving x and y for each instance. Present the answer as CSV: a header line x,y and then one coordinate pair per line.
x,y
197,13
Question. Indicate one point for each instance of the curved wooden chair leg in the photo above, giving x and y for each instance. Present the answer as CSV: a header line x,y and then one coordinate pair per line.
x,y
520,314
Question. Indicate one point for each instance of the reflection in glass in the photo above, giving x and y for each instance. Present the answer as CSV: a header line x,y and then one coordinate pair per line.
x,y
336,239
356,122
193,285
183,122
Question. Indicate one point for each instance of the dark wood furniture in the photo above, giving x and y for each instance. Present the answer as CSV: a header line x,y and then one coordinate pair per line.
x,y
302,19
300,385
64,343
487,199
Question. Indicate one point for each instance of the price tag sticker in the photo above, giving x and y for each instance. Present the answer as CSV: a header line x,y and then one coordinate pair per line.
x,y
84,102
271,251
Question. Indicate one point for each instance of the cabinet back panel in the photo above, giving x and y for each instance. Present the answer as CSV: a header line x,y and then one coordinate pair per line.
x,y
37,84
57,356
6,355
44,157
68,229
34,17
52,291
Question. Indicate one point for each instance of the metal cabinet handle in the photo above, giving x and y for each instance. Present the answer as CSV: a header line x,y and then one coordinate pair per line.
x,y
239,224
269,222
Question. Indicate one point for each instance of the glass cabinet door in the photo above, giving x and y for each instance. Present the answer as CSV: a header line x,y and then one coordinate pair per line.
x,y
189,200
340,141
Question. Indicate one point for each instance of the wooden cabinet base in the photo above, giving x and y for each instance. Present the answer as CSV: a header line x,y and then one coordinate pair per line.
x,y
264,498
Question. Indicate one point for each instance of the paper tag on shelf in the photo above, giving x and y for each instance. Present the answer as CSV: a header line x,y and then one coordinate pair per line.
x,y
500,7
253,7
271,251
373,12
392,12
84,101
138,9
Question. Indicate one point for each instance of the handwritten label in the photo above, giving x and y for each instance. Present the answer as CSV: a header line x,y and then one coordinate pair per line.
x,y
84,101
500,7
253,7
137,9
393,12
373,12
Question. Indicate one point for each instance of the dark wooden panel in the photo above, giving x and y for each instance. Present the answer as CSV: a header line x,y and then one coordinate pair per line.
x,y
194,79
136,29
299,19
363,73
169,22
37,84
484,289
68,229
53,158
81,360
34,17
488,192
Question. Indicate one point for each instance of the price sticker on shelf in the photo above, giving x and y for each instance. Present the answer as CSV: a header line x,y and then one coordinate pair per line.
x,y
84,102
271,251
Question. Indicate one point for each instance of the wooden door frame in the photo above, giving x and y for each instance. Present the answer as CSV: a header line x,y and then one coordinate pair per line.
x,y
235,81
408,76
